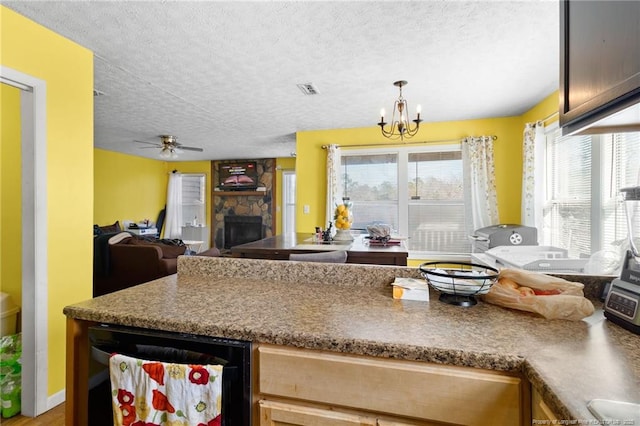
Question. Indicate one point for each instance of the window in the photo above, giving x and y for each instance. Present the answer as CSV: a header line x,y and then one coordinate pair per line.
x,y
583,211
371,183
194,201
427,207
436,202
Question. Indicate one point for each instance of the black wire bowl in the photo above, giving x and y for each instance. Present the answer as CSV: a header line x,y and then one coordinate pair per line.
x,y
459,282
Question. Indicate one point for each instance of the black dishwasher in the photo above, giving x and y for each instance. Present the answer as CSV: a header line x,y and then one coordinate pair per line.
x,y
234,355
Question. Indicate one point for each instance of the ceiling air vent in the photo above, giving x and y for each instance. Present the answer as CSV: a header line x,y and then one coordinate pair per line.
x,y
308,89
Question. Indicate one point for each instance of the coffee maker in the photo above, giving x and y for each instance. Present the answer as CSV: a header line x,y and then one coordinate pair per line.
x,y
622,303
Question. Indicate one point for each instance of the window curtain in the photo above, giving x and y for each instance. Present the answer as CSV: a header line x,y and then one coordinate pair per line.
x,y
533,174
479,179
173,221
334,192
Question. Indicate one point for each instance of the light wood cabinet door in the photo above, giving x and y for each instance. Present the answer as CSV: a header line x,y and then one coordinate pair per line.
x,y
283,414
539,409
402,422
403,389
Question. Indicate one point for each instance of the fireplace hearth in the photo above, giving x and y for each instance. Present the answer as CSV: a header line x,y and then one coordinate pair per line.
x,y
242,229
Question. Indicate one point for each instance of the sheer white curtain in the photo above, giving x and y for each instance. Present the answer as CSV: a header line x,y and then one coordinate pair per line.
x,y
334,191
173,221
533,174
479,179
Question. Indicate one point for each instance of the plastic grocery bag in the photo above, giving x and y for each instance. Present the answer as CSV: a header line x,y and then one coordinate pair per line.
x,y
551,297
10,374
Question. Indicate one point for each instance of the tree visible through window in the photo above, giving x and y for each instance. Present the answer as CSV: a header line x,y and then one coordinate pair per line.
x,y
428,208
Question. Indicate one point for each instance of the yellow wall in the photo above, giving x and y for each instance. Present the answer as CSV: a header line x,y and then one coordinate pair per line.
x,y
67,69
543,109
134,188
10,194
311,160
127,187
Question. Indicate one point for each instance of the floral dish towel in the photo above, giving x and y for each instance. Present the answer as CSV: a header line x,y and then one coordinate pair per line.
x,y
150,393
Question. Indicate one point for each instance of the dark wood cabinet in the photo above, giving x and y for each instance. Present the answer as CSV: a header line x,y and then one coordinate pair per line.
x,y
599,60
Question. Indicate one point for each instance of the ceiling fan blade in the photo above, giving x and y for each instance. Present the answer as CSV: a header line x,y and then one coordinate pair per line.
x,y
157,145
190,148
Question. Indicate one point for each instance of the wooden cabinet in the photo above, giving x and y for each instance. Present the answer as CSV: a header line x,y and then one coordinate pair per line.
x,y
286,414
599,60
539,409
391,392
274,413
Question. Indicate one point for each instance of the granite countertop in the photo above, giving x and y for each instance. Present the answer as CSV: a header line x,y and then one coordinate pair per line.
x,y
349,308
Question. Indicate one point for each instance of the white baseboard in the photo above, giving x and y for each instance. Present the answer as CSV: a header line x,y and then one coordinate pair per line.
x,y
56,399
59,397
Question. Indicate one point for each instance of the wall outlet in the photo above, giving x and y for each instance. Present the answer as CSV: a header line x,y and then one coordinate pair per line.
x,y
305,209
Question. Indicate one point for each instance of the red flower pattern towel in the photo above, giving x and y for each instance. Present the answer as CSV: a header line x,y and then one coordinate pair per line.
x,y
149,393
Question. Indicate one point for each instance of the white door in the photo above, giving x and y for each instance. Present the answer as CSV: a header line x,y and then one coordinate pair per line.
x,y
288,202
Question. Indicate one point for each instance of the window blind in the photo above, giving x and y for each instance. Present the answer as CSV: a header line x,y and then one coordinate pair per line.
x,y
430,212
194,198
566,215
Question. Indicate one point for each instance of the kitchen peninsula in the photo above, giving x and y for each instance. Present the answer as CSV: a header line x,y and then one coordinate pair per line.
x,y
359,250
305,317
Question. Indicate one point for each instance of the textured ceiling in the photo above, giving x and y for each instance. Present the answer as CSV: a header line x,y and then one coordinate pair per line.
x,y
222,75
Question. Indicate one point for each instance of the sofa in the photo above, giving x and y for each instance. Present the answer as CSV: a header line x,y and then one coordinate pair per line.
x,y
122,260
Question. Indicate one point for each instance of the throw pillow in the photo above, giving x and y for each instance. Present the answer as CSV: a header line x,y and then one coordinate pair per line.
x,y
168,252
171,252
111,228
119,237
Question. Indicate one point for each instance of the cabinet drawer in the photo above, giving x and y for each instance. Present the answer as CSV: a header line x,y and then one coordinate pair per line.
x,y
277,413
405,388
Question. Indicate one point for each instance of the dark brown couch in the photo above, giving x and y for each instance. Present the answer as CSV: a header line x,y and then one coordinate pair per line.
x,y
133,261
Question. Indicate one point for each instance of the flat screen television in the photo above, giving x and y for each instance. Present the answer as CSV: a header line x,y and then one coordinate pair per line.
x,y
238,176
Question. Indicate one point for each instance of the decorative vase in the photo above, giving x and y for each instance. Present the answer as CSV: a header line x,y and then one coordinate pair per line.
x,y
343,235
343,218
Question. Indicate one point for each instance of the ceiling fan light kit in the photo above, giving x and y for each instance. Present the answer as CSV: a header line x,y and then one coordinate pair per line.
x,y
400,127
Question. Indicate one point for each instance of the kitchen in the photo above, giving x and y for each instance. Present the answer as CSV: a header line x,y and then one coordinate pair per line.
x,y
544,361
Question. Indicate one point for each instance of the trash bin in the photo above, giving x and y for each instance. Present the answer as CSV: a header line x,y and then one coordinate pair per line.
x,y
8,315
10,374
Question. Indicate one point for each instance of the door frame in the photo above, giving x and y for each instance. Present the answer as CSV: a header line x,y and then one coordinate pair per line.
x,y
33,96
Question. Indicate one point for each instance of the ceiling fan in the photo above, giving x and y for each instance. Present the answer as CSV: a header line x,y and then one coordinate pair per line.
x,y
169,146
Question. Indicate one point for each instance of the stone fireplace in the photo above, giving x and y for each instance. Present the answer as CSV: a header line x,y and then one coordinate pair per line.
x,y
242,229
239,204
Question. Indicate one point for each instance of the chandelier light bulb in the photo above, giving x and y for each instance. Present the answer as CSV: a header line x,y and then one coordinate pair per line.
x,y
418,109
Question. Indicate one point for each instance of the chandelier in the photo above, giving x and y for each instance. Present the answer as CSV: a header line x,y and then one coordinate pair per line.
x,y
400,127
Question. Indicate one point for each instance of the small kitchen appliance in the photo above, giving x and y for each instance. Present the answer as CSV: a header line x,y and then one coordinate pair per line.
x,y
621,304
503,235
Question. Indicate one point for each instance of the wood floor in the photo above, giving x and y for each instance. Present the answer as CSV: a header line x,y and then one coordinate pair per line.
x,y
53,417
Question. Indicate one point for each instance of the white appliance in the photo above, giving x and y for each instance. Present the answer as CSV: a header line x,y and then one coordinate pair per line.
x,y
531,258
